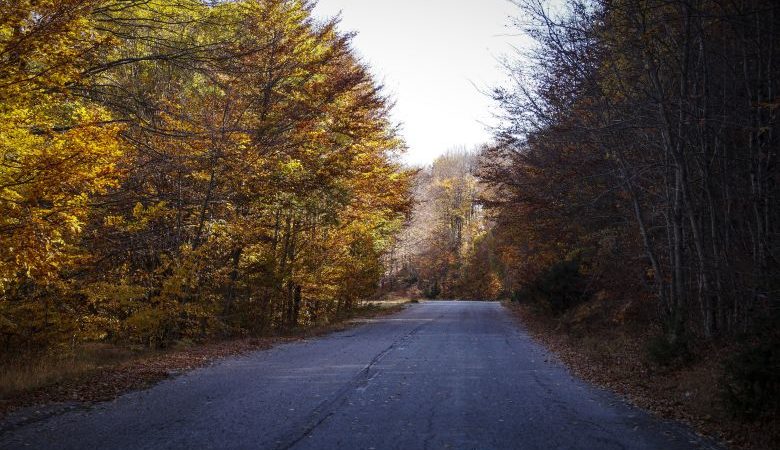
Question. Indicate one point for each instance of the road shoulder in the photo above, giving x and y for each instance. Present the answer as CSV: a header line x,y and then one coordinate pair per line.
x,y
685,395
107,382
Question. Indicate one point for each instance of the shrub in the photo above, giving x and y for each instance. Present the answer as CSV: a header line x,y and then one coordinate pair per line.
x,y
432,291
666,352
557,289
750,383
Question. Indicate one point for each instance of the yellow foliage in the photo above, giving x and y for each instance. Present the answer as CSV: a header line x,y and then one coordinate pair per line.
x,y
177,169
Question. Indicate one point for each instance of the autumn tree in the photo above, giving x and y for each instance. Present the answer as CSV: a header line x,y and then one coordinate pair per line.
x,y
643,132
446,226
58,153
257,187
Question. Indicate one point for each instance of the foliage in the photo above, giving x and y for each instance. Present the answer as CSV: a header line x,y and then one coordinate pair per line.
x,y
556,289
750,383
177,170
438,249
613,144
665,352
432,291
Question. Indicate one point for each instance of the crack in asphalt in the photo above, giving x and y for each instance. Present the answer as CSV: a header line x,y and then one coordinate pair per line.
x,y
328,407
429,434
27,416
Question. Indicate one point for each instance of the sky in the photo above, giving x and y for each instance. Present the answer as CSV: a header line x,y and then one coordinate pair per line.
x,y
437,59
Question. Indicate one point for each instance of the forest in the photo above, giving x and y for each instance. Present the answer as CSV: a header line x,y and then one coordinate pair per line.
x,y
184,171
178,170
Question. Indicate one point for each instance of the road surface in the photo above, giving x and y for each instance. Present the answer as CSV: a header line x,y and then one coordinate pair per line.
x,y
439,375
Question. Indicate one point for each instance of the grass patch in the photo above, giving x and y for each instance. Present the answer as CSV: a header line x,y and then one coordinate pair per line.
x,y
25,374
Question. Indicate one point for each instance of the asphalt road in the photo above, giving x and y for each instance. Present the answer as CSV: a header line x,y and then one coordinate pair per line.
x,y
439,375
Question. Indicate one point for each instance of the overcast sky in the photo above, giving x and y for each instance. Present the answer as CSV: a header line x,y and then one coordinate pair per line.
x,y
434,57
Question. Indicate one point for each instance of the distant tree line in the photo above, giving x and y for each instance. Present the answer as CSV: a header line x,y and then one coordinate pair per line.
x,y
436,251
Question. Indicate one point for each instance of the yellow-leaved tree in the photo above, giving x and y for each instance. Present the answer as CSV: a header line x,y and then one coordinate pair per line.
x,y
57,151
